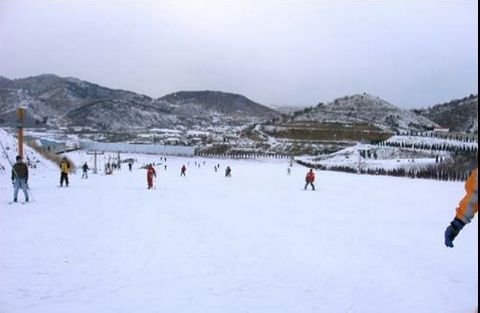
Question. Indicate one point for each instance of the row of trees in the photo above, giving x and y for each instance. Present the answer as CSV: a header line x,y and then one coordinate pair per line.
x,y
427,146
368,154
244,155
440,135
437,173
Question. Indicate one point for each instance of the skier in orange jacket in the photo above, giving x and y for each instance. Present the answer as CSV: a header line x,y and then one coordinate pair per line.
x,y
466,210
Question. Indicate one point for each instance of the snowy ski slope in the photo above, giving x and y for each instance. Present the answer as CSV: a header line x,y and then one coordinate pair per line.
x,y
255,242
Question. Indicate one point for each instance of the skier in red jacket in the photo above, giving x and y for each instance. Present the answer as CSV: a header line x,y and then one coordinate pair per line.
x,y
309,179
150,174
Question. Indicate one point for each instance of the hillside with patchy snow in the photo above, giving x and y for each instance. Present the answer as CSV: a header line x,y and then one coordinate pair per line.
x,y
363,109
402,155
32,158
66,102
460,115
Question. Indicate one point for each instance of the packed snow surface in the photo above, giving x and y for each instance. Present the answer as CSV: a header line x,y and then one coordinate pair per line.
x,y
255,242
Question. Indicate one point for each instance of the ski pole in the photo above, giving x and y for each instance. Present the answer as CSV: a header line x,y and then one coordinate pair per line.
x,y
13,169
6,154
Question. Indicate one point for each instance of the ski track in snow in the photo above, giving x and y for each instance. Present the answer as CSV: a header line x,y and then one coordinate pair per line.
x,y
255,242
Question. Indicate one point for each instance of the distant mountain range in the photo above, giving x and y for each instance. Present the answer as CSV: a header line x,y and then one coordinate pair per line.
x,y
56,101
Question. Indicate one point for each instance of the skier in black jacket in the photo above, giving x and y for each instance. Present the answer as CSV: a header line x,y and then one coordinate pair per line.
x,y
20,178
85,169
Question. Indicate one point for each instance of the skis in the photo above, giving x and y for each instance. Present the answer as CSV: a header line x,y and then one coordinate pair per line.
x,y
21,202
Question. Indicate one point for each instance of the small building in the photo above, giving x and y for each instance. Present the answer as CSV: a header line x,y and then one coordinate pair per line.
x,y
441,130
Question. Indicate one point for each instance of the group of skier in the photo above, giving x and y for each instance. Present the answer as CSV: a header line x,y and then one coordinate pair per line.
x,y
20,176
151,173
465,211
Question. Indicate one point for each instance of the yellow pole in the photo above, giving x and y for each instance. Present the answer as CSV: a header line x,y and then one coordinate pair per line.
x,y
20,115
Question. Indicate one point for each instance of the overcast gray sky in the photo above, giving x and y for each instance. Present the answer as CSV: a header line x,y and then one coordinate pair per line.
x,y
412,53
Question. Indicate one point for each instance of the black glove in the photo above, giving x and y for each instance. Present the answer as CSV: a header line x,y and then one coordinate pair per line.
x,y
452,231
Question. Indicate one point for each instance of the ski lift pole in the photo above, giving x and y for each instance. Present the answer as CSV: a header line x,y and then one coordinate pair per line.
x,y
95,154
21,116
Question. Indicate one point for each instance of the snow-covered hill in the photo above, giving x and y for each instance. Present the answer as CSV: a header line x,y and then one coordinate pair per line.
x,y
36,162
119,115
57,101
398,152
218,103
459,115
48,98
382,157
363,109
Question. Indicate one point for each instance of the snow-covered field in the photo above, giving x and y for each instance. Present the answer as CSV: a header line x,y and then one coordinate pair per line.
x,y
255,242
389,158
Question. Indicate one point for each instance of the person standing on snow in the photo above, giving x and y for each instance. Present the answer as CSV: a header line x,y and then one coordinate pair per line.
x,y
183,170
64,170
130,166
309,179
150,174
228,172
20,178
85,169
465,211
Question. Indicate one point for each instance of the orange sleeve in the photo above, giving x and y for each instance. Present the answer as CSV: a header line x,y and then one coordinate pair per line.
x,y
468,207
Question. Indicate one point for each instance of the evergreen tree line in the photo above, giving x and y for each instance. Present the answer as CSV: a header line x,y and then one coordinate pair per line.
x,y
368,154
451,136
244,155
447,173
427,146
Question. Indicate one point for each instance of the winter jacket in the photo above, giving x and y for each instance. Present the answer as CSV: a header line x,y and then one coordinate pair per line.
x,y
85,167
20,170
151,172
468,207
310,178
65,167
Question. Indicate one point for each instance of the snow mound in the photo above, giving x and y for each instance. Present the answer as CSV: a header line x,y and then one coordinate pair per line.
x,y
35,161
